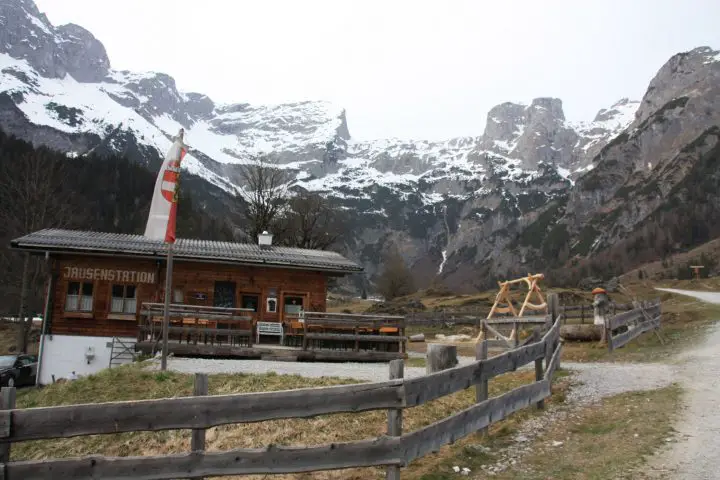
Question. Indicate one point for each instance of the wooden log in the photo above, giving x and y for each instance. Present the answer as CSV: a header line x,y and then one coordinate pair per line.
x,y
420,337
451,429
394,417
201,412
200,388
581,332
7,404
440,357
272,460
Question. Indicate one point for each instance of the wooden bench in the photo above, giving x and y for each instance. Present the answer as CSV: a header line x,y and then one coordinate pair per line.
x,y
270,328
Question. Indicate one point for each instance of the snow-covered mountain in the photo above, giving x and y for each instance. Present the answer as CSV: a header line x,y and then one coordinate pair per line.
x,y
440,202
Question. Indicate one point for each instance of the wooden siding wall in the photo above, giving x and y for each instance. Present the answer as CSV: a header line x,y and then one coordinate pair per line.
x,y
190,277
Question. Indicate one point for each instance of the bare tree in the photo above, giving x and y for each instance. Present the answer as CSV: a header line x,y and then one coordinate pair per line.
x,y
396,279
311,222
32,197
264,194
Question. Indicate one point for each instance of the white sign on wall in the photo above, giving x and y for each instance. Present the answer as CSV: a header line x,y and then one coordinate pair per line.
x,y
111,275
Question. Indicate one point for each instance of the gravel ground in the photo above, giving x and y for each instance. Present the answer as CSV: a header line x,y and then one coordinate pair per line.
x,y
593,381
696,454
371,372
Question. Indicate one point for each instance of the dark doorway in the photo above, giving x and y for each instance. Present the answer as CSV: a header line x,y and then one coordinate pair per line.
x,y
250,301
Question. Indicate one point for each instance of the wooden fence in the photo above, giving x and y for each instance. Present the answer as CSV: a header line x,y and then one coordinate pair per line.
x,y
624,327
394,450
572,314
585,313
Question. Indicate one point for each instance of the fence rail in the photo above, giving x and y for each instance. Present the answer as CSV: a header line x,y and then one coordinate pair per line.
x,y
643,318
202,412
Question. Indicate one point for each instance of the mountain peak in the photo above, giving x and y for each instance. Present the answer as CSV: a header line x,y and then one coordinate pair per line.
x,y
54,52
695,73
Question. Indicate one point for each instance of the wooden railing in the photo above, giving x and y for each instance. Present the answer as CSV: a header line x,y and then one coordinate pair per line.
x,y
358,331
644,317
201,412
585,312
194,323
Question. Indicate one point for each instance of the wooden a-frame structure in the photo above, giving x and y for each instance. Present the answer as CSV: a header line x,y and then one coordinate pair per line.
x,y
503,297
504,304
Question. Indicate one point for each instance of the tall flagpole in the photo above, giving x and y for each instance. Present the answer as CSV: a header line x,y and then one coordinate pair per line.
x,y
166,314
169,178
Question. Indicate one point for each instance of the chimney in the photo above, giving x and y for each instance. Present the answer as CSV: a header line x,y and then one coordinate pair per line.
x,y
265,239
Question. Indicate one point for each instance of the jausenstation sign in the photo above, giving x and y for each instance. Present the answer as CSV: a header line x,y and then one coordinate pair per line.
x,y
109,274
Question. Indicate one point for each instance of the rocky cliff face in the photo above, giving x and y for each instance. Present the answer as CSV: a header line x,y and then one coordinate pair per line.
x,y
53,52
641,175
465,210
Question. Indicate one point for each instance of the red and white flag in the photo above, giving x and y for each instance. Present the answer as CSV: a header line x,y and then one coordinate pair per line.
x,y
163,209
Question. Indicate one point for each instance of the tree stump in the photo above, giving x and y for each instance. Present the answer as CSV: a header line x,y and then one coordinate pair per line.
x,y
440,357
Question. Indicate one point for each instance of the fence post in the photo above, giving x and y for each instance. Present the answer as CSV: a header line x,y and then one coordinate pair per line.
x,y
553,303
394,417
200,387
7,402
481,389
539,367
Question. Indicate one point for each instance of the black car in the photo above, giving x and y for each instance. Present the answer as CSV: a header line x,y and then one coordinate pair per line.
x,y
17,370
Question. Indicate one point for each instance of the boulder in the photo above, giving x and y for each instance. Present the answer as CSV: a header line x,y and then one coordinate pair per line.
x,y
419,337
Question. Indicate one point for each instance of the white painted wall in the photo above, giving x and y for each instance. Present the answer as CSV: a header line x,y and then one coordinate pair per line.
x,y
62,354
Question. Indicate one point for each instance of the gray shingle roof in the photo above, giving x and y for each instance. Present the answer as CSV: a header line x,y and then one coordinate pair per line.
x,y
210,251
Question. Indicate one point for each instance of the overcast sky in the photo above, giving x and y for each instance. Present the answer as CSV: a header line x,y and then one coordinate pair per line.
x,y
410,69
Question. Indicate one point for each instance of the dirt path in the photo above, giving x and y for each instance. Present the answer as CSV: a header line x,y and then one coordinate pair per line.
x,y
696,454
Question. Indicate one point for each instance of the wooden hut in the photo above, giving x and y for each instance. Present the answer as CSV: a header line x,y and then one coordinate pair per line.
x,y
105,294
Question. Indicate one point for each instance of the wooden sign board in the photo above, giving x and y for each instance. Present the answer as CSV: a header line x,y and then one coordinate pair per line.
x,y
110,275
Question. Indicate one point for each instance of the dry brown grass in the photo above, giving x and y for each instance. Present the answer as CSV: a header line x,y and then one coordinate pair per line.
x,y
609,440
131,382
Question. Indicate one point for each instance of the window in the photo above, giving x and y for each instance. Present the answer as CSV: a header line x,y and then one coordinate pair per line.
x,y
224,295
24,361
79,297
250,301
271,305
178,296
123,299
293,305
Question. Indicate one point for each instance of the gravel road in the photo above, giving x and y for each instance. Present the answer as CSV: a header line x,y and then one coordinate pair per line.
x,y
696,454
371,372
